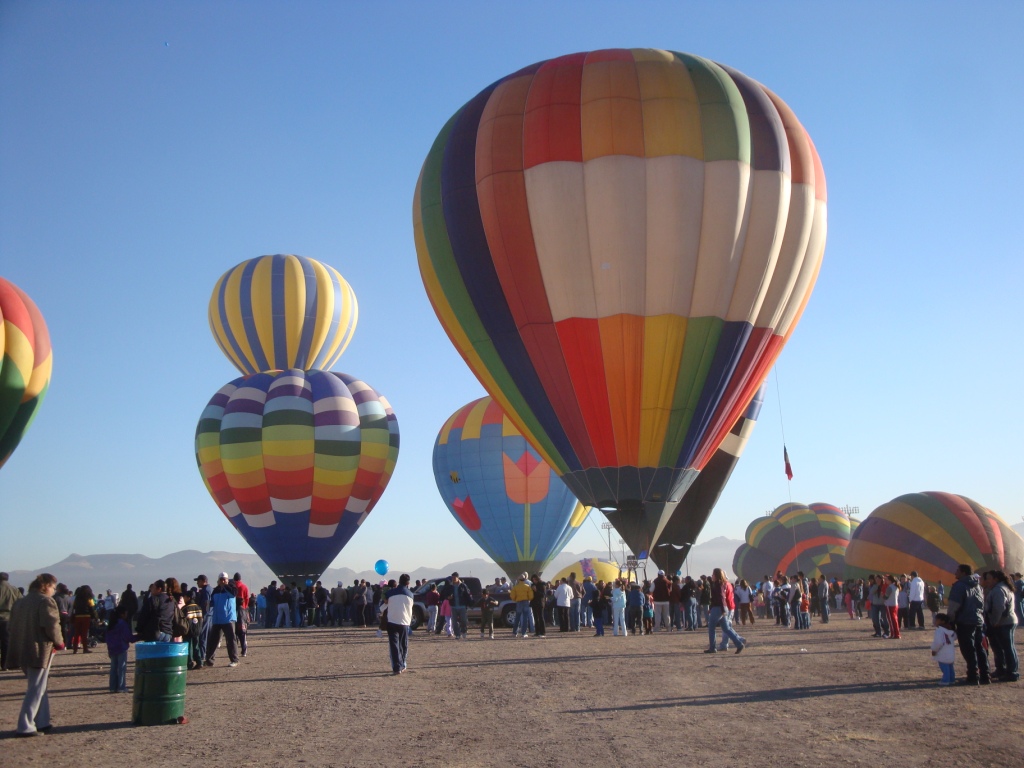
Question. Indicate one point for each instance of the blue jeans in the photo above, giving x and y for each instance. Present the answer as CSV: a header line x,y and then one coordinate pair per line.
x,y
460,620
204,635
948,674
1003,651
691,613
825,611
574,614
619,620
523,617
721,618
119,672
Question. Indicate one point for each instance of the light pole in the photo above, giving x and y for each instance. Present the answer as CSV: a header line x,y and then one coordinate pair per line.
x,y
608,527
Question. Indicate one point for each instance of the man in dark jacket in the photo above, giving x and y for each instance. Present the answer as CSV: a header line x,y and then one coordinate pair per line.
x,y
458,595
156,615
966,609
130,602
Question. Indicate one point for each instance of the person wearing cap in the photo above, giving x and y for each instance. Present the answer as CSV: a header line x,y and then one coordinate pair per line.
x,y
662,589
522,594
8,597
223,617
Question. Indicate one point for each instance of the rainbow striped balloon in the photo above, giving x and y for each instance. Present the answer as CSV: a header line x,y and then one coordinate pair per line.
x,y
296,460
795,537
26,362
932,533
619,243
501,492
280,312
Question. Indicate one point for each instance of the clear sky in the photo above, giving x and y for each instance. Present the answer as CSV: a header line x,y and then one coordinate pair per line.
x,y
145,148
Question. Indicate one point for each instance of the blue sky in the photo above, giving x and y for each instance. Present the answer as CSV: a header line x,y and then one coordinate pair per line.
x,y
145,148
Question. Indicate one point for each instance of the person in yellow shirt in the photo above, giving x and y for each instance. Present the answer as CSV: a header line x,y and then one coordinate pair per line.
x,y
522,594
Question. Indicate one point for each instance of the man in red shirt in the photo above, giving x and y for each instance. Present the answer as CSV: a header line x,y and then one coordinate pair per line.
x,y
242,609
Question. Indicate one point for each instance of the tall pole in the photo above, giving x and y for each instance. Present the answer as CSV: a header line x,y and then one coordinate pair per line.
x,y
608,527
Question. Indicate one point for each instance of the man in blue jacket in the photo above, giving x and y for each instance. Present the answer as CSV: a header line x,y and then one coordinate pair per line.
x,y
224,616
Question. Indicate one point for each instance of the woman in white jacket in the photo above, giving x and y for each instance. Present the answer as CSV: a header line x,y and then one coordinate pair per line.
x,y
618,609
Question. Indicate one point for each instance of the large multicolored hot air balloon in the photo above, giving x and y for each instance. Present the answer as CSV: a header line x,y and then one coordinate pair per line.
x,y
502,493
619,243
932,533
795,537
281,312
685,524
26,362
296,460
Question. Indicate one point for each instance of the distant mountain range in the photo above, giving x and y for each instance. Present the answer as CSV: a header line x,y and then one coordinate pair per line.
x,y
114,572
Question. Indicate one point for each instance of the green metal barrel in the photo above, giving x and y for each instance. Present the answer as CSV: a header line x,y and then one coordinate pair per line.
x,y
159,696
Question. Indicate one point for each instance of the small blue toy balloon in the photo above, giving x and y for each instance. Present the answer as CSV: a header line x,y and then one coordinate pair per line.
x,y
381,567
309,582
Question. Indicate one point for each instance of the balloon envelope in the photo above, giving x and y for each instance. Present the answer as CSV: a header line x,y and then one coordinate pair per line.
x,y
932,533
26,362
501,492
280,312
595,568
688,519
619,243
795,537
296,460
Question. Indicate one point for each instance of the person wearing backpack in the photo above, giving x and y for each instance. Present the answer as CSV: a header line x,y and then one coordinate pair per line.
x,y
966,609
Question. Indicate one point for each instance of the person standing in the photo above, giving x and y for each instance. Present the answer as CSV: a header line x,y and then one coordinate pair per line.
x,y
966,610
563,600
224,616
537,606
34,637
399,609
204,599
459,597
1001,621
915,596
8,597
521,594
824,601
242,611
130,602
662,590
575,603
156,616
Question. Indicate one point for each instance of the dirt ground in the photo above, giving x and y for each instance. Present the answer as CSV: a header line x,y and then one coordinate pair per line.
x,y
326,697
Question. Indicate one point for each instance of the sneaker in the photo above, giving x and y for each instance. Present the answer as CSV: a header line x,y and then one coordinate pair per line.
x,y
233,664
740,647
710,650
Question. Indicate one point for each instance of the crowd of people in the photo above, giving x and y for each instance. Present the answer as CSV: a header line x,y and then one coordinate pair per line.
x,y
980,615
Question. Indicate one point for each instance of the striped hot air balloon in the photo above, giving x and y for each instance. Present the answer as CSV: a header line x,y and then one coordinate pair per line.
x,y
619,243
26,362
501,492
932,533
795,537
281,312
296,460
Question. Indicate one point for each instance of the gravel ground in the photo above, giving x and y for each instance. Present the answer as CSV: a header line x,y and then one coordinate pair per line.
x,y
326,697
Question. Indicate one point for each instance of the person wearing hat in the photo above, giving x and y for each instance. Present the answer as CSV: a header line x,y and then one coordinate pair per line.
x,y
204,599
223,617
522,594
457,593
662,589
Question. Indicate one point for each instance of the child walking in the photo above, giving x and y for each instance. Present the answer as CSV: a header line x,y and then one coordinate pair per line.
x,y
943,644
487,606
119,638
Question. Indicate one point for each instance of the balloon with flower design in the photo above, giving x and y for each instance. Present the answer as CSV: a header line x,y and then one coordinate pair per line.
x,y
501,492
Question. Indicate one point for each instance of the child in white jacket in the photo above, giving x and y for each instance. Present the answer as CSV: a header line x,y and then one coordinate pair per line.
x,y
943,648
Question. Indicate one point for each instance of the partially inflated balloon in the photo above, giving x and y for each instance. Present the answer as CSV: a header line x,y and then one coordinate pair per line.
x,y
795,537
296,460
688,519
619,243
280,312
932,533
26,362
593,568
500,490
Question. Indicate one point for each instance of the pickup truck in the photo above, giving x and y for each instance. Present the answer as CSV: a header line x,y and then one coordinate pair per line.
x,y
504,614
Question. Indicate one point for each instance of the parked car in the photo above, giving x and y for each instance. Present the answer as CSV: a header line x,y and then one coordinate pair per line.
x,y
504,613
